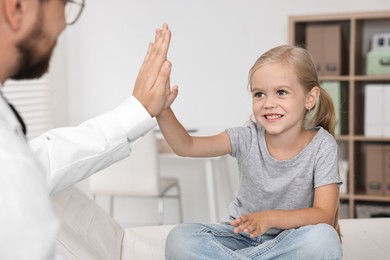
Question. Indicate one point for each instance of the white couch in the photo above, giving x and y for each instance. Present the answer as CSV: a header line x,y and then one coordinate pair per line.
x,y
88,232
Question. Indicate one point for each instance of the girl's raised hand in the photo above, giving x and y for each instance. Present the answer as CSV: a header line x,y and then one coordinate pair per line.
x,y
171,94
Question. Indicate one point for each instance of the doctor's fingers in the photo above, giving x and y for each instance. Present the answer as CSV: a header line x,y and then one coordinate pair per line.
x,y
153,63
155,98
150,46
155,57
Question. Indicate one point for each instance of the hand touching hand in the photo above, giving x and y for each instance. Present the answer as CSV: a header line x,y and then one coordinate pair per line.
x,y
152,87
254,224
171,95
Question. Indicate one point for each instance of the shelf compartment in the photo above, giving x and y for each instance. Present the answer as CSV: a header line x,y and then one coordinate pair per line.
x,y
359,107
366,28
366,209
377,174
300,38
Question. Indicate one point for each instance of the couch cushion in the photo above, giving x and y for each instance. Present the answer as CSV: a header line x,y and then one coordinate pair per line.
x,y
365,238
87,231
362,239
145,242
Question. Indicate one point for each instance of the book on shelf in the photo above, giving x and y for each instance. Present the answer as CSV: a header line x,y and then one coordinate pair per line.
x,y
374,169
338,93
377,110
377,169
324,42
386,164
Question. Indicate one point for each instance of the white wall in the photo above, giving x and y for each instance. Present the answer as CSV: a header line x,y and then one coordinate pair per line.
x,y
214,44
59,78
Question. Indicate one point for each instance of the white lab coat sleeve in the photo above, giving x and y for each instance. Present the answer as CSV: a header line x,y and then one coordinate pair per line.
x,y
71,154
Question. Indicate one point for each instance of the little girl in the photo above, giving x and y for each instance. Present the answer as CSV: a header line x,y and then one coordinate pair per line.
x,y
287,200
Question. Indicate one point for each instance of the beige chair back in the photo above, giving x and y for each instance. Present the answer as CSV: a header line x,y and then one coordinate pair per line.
x,y
136,175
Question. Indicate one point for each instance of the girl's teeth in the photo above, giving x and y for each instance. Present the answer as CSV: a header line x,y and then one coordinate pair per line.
x,y
274,117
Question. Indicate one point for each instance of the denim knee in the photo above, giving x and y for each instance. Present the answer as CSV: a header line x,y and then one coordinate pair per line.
x,y
174,236
182,231
322,241
181,240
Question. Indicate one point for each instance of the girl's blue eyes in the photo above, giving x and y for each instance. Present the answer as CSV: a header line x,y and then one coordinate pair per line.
x,y
280,92
258,94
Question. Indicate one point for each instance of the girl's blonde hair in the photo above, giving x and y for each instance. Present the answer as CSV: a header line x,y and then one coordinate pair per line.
x,y
301,62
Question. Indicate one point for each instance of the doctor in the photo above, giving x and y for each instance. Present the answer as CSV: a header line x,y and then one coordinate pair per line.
x,y
29,173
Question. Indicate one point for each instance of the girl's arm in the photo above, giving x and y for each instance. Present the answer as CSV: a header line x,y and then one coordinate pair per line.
x,y
323,211
184,144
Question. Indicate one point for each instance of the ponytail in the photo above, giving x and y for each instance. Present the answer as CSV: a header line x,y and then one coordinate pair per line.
x,y
325,115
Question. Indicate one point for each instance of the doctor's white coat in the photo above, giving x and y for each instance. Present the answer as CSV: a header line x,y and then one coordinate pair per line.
x,y
29,173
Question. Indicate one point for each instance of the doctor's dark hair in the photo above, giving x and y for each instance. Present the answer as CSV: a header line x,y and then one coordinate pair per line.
x,y
301,62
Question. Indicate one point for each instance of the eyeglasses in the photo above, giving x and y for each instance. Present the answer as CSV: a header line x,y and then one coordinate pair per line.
x,y
73,10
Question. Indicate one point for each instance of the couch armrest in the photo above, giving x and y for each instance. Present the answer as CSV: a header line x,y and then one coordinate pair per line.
x,y
87,231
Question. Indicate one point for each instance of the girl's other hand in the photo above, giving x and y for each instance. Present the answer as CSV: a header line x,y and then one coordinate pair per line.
x,y
254,224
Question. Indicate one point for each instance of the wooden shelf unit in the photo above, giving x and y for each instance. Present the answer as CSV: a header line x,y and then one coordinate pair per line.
x,y
357,29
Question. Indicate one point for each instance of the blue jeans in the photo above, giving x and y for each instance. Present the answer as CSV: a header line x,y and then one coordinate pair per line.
x,y
218,241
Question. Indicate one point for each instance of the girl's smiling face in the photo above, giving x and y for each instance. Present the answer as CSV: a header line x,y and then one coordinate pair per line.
x,y
278,98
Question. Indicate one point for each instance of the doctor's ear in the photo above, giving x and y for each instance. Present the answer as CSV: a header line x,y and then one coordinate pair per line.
x,y
15,11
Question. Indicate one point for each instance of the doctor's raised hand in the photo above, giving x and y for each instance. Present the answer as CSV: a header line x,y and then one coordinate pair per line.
x,y
152,87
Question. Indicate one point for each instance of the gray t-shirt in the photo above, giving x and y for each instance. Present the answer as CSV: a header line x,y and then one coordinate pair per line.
x,y
267,183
